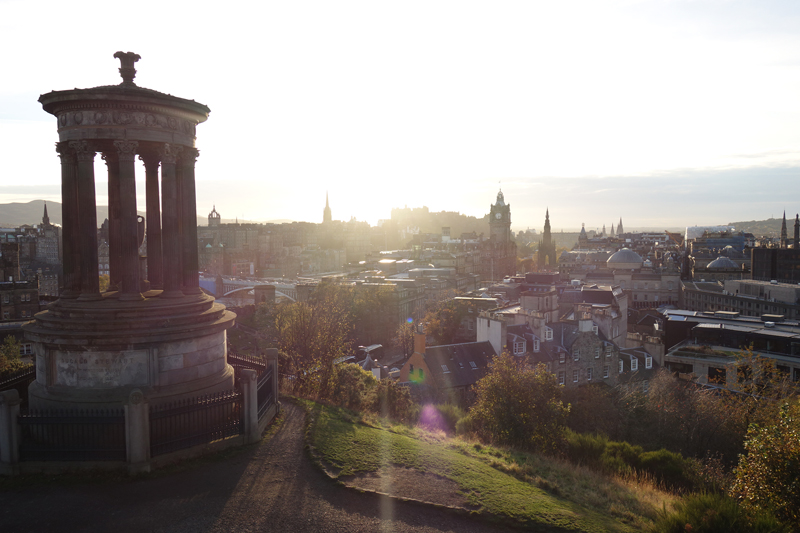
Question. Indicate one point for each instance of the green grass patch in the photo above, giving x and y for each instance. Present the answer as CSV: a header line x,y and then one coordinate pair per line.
x,y
534,491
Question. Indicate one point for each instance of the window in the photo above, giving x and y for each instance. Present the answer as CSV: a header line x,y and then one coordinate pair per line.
x,y
606,370
519,347
589,373
648,362
645,386
621,365
473,365
609,350
444,369
548,334
26,349
597,353
635,297
411,369
576,354
575,374
561,377
536,345
561,357
6,315
634,364
594,330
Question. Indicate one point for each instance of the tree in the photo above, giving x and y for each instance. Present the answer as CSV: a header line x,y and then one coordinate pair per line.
x,y
443,321
10,360
768,475
316,334
404,338
374,314
519,405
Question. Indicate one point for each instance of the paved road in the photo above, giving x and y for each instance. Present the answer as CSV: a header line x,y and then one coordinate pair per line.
x,y
273,487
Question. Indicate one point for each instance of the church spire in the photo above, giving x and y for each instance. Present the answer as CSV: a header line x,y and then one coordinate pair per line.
x,y
326,213
45,218
784,232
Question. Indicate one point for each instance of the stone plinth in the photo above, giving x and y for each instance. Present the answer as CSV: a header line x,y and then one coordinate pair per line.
x,y
93,354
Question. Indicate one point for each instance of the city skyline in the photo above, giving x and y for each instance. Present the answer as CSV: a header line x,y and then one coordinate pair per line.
x,y
598,113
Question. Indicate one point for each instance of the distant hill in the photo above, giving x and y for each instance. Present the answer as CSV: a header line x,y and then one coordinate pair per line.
x,y
770,227
18,214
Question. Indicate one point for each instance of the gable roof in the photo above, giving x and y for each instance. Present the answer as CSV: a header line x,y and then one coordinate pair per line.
x,y
458,365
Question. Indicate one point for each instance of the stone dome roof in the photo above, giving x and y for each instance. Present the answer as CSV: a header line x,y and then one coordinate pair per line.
x,y
625,258
721,263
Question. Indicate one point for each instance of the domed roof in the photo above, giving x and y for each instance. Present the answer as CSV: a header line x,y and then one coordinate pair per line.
x,y
722,263
625,256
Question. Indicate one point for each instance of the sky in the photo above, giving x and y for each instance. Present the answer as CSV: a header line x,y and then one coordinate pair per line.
x,y
664,113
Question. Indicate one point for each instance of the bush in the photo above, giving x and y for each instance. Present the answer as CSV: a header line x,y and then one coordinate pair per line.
x,y
768,476
714,513
390,400
445,416
519,406
597,451
585,448
10,361
349,385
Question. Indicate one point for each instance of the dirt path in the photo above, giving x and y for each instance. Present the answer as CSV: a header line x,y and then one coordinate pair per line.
x,y
272,487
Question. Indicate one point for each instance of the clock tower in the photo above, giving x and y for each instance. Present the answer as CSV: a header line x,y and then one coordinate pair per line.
x,y
500,220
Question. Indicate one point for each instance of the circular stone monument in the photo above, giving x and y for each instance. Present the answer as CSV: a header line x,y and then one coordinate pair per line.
x,y
154,329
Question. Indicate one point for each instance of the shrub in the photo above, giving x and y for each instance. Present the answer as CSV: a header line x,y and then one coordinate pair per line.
x,y
388,399
519,406
349,384
443,416
714,513
585,448
768,476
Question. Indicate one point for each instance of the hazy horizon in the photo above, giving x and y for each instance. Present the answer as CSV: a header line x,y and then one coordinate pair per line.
x,y
664,113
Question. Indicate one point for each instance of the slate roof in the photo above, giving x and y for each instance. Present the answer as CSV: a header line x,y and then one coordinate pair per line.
x,y
458,365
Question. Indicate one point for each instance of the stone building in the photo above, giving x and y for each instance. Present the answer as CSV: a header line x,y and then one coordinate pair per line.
x,y
499,253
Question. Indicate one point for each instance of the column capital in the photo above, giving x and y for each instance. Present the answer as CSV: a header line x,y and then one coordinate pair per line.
x,y
110,158
169,153
126,149
151,159
84,150
64,151
189,155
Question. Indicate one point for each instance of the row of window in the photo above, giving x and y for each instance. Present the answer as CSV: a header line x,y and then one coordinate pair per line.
x,y
26,297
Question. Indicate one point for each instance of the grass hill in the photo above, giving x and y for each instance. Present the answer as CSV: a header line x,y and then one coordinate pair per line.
x,y
514,488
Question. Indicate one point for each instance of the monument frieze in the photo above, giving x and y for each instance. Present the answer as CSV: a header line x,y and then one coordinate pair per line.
x,y
101,369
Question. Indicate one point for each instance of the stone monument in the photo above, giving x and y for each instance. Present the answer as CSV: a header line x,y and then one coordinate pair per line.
x,y
162,335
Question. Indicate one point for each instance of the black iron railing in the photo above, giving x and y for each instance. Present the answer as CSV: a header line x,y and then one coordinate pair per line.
x,y
195,421
89,435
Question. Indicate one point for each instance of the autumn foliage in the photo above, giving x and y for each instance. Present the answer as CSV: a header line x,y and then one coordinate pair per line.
x,y
519,405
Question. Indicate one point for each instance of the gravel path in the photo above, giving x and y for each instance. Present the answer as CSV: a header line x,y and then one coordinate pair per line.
x,y
273,487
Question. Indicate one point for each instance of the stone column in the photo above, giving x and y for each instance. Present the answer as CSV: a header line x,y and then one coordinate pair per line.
x,y
190,262
114,250
249,384
169,219
129,228
70,244
153,225
9,432
87,220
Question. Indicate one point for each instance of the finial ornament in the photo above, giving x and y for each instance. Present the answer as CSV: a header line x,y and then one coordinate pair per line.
x,y
126,70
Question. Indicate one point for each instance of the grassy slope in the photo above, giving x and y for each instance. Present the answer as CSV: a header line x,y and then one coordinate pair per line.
x,y
483,474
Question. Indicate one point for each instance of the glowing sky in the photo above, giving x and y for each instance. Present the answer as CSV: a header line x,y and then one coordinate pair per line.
x,y
666,113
